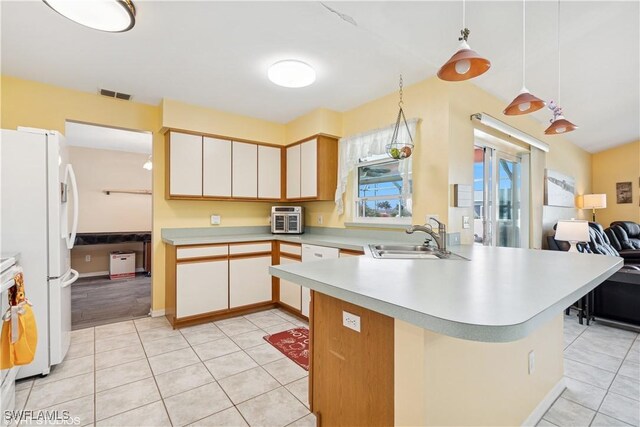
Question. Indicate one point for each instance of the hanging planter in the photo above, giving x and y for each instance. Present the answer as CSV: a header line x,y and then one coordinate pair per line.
x,y
396,149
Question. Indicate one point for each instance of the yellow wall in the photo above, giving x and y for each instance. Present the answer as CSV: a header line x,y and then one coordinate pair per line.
x,y
619,164
318,121
490,380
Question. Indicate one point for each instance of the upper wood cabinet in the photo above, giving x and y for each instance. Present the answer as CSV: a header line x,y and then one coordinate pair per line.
x,y
312,167
245,170
269,172
185,165
216,167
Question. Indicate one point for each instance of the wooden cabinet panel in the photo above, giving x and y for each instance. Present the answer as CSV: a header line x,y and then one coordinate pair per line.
x,y
293,172
249,281
245,170
185,167
352,373
269,172
202,287
216,165
309,169
290,293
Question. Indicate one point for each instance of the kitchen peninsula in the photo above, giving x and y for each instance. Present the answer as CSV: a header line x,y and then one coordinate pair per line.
x,y
442,342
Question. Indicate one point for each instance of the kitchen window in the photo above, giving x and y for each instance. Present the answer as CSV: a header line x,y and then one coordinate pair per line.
x,y
383,190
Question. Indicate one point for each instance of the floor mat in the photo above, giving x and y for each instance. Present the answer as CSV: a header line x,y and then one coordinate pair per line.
x,y
294,344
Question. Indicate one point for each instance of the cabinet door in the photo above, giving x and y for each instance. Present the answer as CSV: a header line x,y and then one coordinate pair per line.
x,y
249,281
269,172
290,293
185,164
309,169
202,287
245,170
293,172
311,253
216,165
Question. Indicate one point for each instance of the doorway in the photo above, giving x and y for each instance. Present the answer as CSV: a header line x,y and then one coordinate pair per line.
x,y
501,195
113,243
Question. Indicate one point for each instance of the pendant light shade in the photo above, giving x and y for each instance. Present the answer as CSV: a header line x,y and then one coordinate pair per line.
x,y
560,125
113,16
524,103
465,64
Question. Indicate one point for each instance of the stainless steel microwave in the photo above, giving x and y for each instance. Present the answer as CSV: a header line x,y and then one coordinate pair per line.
x,y
287,219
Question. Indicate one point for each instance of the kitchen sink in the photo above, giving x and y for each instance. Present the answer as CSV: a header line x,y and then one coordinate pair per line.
x,y
411,252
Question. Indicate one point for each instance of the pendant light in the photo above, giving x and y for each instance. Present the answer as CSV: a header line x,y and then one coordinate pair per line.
x,y
558,123
525,102
395,149
465,64
113,16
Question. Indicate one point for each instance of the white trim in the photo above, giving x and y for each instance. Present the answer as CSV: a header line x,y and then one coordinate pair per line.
x,y
498,125
157,313
544,405
106,273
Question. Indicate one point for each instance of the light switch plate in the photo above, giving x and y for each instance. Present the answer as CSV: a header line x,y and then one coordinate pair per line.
x,y
215,219
351,321
465,222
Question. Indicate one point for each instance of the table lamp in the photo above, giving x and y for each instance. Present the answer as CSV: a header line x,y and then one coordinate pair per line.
x,y
593,202
573,231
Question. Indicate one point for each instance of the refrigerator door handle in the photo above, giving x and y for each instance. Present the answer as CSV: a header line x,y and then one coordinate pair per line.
x,y
74,276
70,176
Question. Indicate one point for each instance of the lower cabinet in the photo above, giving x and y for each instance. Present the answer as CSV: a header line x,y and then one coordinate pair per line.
x,y
201,287
290,293
249,281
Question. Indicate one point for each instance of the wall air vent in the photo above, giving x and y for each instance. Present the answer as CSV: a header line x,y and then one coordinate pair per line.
x,y
113,94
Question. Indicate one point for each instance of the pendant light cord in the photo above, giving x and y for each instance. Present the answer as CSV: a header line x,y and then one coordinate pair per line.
x,y
559,63
464,14
524,39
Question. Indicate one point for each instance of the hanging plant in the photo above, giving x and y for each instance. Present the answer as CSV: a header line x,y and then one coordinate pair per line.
x,y
396,149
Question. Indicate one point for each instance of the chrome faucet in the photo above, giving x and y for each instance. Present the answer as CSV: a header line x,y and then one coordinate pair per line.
x,y
440,237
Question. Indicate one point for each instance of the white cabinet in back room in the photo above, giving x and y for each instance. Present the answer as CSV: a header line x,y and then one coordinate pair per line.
x,y
245,170
185,165
202,287
311,253
269,172
216,165
293,172
249,280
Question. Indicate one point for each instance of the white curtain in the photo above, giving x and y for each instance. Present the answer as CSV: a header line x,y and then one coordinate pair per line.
x,y
353,148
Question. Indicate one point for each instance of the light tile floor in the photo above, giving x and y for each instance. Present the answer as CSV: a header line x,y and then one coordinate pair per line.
x,y
143,373
602,375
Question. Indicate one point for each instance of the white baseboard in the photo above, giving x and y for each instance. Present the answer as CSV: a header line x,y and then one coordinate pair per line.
x,y
544,405
157,313
106,273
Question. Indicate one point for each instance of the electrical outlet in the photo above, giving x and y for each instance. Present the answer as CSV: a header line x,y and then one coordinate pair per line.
x,y
351,321
465,222
532,362
215,219
320,219
87,258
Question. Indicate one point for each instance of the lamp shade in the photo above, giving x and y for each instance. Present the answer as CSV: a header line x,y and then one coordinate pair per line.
x,y
572,231
560,125
594,201
524,103
465,64
104,15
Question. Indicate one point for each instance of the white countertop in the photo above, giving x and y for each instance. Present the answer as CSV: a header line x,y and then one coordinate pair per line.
x,y
500,295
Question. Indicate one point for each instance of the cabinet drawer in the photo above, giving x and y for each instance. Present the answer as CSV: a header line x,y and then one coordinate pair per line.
x,y
250,248
202,251
286,248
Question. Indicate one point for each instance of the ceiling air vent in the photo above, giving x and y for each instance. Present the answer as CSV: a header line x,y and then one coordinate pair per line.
x,y
113,94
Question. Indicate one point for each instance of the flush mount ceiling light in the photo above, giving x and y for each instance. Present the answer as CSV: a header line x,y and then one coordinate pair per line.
x,y
558,123
525,102
113,16
291,73
465,64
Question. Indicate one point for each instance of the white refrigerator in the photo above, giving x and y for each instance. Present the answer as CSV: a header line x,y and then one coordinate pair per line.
x,y
38,220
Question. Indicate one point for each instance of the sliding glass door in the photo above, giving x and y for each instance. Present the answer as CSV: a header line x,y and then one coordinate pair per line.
x,y
498,199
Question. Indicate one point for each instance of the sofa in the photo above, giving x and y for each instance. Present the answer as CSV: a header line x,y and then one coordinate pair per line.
x,y
625,238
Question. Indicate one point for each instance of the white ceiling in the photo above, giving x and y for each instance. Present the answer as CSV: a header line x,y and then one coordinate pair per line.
x,y
215,54
104,138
